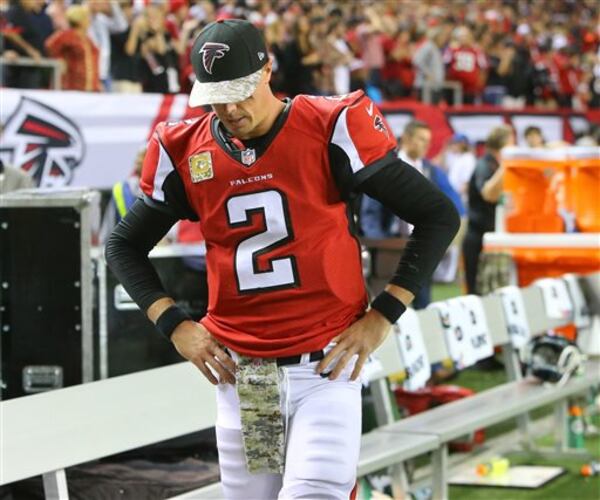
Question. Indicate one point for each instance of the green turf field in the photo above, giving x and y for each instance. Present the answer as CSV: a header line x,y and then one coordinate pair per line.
x,y
443,291
570,485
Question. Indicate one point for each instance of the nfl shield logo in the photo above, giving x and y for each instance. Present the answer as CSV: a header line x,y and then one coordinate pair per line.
x,y
248,157
200,167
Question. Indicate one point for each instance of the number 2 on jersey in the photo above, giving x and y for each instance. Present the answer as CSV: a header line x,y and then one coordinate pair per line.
x,y
281,272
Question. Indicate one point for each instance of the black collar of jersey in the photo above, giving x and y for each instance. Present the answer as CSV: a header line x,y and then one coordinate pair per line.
x,y
260,144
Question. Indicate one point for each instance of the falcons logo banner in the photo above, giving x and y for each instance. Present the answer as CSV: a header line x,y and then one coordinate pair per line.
x,y
211,51
43,142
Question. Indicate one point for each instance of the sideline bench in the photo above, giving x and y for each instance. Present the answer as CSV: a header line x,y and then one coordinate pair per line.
x,y
510,400
45,433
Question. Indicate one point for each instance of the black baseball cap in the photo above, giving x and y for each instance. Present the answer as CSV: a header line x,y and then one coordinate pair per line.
x,y
228,57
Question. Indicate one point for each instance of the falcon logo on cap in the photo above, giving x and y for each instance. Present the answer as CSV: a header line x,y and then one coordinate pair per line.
x,y
212,51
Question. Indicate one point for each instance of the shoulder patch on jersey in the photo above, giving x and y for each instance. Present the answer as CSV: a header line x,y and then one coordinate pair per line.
x,y
201,167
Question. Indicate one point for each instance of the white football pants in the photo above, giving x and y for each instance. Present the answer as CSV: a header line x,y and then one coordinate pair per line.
x,y
322,439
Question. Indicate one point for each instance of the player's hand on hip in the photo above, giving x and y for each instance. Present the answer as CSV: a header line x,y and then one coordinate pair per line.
x,y
361,338
195,343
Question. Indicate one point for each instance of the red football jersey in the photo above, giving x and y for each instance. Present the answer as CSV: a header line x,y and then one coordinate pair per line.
x,y
284,270
465,65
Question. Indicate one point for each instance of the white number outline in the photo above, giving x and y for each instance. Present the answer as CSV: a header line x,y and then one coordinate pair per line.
x,y
256,253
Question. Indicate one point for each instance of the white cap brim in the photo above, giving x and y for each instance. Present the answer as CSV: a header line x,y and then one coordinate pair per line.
x,y
224,92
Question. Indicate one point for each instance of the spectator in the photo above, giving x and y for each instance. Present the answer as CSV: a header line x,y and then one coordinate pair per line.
x,y
77,51
158,54
124,67
28,28
204,11
342,58
429,64
8,35
57,10
534,137
377,222
398,73
299,60
466,64
325,59
189,30
276,38
123,195
370,36
459,162
178,11
520,76
584,93
514,54
107,18
485,189
594,82
500,55
567,63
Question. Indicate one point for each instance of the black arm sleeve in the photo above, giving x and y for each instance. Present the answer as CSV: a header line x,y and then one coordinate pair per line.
x,y
127,251
407,193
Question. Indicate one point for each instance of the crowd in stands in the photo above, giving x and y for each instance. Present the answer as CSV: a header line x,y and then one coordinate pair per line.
x,y
505,52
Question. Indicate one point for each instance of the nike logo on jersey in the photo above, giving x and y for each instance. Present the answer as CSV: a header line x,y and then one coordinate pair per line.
x,y
370,109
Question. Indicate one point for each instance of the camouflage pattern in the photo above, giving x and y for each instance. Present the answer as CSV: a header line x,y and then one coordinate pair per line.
x,y
262,421
495,270
226,91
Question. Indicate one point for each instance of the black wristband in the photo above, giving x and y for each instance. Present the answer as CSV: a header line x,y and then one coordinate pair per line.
x,y
170,319
389,306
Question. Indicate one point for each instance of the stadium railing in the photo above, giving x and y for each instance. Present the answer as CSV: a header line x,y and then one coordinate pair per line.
x,y
46,433
455,87
53,64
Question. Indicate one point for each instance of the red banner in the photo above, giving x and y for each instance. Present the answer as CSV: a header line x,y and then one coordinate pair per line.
x,y
476,121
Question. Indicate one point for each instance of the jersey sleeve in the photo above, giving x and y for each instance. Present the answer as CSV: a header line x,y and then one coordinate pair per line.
x,y
362,140
161,184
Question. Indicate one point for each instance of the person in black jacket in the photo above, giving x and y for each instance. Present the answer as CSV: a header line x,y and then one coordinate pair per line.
x,y
485,189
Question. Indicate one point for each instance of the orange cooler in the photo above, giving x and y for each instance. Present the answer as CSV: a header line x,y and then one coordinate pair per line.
x,y
584,188
534,189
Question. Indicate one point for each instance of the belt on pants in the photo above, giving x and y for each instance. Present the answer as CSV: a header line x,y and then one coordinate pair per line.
x,y
296,359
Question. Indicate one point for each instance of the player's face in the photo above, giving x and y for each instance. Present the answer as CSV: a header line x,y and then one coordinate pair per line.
x,y
239,118
244,119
